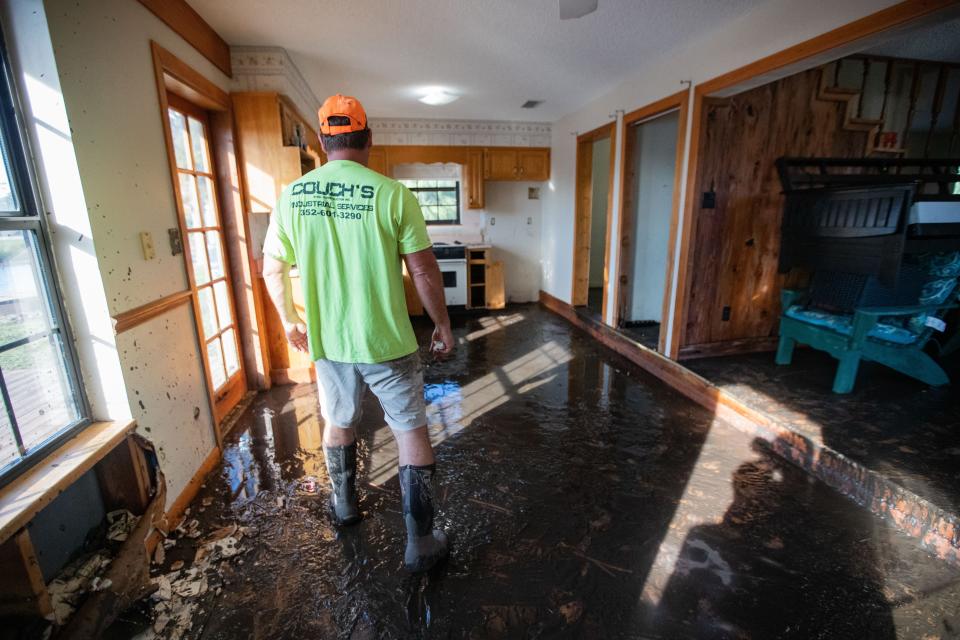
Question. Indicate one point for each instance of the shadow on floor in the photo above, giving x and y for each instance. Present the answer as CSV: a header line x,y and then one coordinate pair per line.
x,y
583,499
891,423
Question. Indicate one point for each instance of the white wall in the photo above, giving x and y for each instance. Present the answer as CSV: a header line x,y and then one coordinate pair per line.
x,y
600,185
768,28
103,57
655,149
513,228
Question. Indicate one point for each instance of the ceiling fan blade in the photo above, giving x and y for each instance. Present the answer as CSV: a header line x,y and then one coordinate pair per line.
x,y
572,9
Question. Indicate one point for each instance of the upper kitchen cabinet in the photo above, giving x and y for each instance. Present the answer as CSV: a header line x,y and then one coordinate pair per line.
x,y
500,164
378,160
278,145
534,164
474,171
520,164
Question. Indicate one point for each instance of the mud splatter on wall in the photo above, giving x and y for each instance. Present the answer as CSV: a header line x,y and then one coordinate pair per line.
x,y
166,387
104,61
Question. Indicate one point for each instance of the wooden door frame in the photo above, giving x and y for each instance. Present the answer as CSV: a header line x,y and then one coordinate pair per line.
x,y
677,102
173,76
583,214
886,19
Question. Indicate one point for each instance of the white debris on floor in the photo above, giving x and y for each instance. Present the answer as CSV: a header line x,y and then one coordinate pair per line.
x,y
85,574
176,601
120,523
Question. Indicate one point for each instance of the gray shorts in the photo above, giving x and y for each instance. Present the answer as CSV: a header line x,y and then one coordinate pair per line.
x,y
398,385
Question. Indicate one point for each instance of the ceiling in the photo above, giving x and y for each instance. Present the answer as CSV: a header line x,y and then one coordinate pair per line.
x,y
496,54
938,42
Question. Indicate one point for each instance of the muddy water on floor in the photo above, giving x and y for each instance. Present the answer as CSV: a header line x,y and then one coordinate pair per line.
x,y
582,499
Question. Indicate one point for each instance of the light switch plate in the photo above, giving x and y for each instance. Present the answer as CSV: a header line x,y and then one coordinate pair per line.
x,y
146,242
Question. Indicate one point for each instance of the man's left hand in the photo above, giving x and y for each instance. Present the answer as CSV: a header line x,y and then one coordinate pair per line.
x,y
442,343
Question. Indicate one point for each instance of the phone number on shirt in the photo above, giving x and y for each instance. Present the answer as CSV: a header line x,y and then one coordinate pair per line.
x,y
344,210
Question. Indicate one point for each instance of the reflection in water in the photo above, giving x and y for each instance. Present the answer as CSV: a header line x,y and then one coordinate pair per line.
x,y
582,498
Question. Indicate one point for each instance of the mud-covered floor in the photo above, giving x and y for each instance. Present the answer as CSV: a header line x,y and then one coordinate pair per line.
x,y
647,334
583,498
891,423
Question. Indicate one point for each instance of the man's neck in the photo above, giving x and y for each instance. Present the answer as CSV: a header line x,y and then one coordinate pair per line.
x,y
354,155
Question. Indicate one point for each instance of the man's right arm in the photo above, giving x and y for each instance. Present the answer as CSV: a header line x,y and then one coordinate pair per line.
x,y
277,258
425,273
276,276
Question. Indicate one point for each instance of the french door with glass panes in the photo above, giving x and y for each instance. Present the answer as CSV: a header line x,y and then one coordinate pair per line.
x,y
205,254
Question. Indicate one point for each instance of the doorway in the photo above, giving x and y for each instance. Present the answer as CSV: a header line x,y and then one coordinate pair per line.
x,y
650,151
595,158
204,249
198,131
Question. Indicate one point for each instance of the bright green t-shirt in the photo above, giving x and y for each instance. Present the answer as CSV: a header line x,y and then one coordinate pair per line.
x,y
345,227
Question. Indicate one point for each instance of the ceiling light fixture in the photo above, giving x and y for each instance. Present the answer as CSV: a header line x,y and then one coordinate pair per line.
x,y
436,96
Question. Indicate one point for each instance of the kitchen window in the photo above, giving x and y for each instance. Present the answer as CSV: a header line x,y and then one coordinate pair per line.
x,y
439,199
41,402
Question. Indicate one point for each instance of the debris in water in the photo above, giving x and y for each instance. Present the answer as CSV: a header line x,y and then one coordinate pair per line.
x,y
177,598
159,554
307,486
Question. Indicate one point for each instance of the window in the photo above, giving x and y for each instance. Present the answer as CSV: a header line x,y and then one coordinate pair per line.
x,y
41,402
439,199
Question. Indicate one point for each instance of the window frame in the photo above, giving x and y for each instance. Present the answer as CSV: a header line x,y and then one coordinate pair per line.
x,y
455,188
23,179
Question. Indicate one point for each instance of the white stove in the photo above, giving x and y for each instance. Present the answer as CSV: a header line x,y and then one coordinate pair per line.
x,y
452,259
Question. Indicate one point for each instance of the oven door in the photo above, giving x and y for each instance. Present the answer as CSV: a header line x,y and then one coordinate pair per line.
x,y
454,273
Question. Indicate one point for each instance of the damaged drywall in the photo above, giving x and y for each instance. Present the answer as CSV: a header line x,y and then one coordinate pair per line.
x,y
90,592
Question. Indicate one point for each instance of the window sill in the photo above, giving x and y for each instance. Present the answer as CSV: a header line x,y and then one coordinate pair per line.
x,y
25,496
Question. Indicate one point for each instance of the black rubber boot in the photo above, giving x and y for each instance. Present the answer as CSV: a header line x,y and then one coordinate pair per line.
x,y
342,469
425,545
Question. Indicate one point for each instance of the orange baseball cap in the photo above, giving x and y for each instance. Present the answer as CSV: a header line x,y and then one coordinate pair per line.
x,y
345,107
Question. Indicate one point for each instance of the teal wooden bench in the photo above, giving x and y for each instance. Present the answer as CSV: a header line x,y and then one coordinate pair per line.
x,y
892,336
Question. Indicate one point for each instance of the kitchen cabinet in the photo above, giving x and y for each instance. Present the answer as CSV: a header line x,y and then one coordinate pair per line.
x,y
500,163
278,146
534,164
485,288
474,176
378,160
516,164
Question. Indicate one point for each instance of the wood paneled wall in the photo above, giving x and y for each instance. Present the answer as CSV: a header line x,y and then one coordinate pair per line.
x,y
736,245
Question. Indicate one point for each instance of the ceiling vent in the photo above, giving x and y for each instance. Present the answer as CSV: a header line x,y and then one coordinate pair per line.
x,y
531,104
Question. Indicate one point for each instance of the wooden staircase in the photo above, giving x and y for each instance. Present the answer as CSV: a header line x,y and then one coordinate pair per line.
x,y
851,120
905,98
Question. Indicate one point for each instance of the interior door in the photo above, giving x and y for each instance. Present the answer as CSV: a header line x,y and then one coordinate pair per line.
x,y
202,230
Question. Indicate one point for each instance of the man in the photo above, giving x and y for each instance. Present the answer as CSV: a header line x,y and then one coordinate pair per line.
x,y
347,228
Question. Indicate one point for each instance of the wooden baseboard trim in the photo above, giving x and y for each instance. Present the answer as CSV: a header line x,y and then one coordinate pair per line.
x,y
293,375
937,529
728,348
175,512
